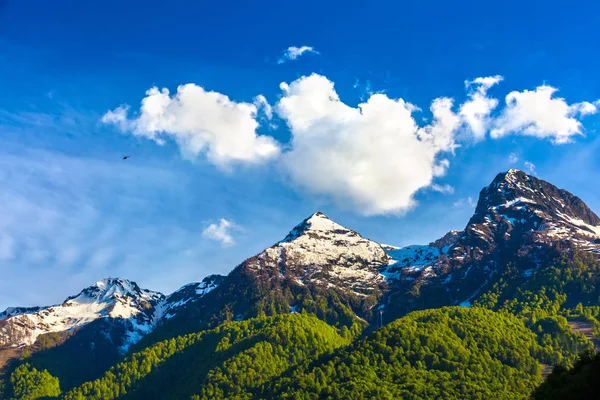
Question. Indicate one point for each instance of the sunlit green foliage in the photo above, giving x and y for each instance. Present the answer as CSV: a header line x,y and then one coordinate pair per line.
x,y
27,383
451,353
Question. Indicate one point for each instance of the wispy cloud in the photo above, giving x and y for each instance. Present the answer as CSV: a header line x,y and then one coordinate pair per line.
x,y
83,219
466,202
476,111
221,232
293,52
530,167
513,158
445,189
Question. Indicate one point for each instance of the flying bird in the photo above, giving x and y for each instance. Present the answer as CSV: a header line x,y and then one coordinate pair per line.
x,y
126,157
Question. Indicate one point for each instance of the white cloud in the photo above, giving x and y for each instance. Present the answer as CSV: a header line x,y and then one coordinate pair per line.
x,y
530,167
466,202
201,122
476,111
513,158
221,232
445,189
373,157
293,52
261,103
537,113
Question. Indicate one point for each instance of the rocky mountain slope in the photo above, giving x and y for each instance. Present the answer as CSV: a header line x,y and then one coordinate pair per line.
x,y
185,296
519,219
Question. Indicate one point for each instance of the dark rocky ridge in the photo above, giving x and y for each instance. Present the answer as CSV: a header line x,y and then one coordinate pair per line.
x,y
519,219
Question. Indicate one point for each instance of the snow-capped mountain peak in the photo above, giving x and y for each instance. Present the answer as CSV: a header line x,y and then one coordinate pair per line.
x,y
322,252
113,298
318,224
516,189
110,289
518,219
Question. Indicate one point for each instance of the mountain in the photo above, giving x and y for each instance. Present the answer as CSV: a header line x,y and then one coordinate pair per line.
x,y
519,219
320,267
327,269
112,298
324,253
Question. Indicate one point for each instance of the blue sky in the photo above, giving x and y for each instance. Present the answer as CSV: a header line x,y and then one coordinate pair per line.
x,y
73,212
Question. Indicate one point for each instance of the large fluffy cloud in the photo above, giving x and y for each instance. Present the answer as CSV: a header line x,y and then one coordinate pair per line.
x,y
538,113
201,121
373,157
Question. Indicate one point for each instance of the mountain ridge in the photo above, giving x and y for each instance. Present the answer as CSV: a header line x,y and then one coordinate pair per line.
x,y
311,240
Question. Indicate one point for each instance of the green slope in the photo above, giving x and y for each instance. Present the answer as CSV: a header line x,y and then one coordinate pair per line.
x,y
567,287
450,353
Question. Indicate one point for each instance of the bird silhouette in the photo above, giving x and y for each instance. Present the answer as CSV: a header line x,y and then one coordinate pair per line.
x,y
126,157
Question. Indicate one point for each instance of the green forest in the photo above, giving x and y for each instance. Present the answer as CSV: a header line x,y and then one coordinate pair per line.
x,y
449,353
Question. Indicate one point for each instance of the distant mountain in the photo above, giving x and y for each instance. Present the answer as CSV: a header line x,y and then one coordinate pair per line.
x,y
113,298
326,268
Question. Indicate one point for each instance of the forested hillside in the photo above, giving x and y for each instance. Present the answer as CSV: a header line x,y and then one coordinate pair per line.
x,y
228,361
455,352
452,353
566,288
